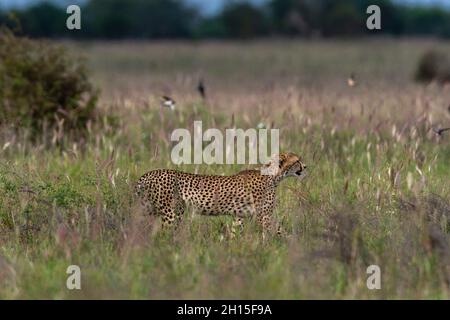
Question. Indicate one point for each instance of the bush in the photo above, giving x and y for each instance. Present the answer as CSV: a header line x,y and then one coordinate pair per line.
x,y
433,66
42,87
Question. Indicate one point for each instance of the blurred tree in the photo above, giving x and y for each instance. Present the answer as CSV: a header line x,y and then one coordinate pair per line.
x,y
427,21
296,17
154,19
210,28
43,20
342,17
243,20
138,19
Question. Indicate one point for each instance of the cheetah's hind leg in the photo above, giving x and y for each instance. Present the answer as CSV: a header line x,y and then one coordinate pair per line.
x,y
172,214
143,199
270,226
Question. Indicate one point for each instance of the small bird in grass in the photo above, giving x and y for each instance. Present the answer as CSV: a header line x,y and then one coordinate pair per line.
x,y
351,81
168,102
440,131
201,89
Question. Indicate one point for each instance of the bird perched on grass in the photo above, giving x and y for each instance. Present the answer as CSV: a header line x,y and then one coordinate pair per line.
x,y
351,81
201,89
168,102
440,131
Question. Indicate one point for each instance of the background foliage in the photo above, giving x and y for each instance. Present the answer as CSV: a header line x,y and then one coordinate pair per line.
x,y
43,87
151,19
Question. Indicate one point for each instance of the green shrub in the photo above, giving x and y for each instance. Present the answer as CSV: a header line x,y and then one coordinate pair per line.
x,y
42,86
433,66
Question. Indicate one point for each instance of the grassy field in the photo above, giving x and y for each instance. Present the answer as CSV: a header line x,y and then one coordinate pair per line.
x,y
378,190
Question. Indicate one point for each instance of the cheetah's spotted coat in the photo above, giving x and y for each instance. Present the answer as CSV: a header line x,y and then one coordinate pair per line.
x,y
248,193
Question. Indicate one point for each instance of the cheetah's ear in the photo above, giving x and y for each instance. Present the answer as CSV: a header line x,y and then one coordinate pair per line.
x,y
275,165
277,161
282,157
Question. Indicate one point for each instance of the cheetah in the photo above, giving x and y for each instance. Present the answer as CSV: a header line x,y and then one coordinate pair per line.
x,y
249,193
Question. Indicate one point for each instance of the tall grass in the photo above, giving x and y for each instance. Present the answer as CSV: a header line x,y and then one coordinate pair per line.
x,y
377,191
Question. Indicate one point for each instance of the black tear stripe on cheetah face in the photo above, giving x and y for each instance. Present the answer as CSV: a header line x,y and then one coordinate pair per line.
x,y
246,194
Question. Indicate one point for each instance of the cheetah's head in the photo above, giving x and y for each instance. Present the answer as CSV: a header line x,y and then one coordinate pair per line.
x,y
285,165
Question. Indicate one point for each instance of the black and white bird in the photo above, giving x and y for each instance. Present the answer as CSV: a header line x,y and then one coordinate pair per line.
x,y
441,130
351,81
168,102
201,89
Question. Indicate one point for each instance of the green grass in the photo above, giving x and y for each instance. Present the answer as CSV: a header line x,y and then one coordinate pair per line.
x,y
374,195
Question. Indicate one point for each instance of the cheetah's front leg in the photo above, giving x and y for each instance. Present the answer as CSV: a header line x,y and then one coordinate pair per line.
x,y
173,213
269,225
265,216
